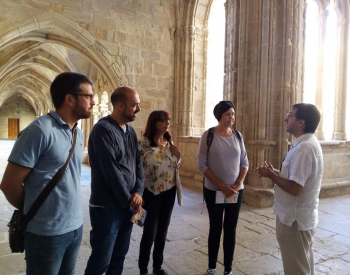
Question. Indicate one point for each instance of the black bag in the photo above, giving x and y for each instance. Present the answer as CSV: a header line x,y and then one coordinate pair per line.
x,y
17,226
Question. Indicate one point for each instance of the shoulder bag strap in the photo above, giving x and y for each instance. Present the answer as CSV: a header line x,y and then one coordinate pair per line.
x,y
51,185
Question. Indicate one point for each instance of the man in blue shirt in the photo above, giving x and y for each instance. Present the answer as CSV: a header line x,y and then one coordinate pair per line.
x,y
53,236
116,184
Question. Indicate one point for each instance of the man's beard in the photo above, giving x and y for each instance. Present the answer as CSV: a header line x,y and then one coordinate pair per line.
x,y
81,113
129,117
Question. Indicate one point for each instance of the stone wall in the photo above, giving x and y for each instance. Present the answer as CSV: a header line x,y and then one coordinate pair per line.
x,y
158,47
15,108
127,42
336,172
335,182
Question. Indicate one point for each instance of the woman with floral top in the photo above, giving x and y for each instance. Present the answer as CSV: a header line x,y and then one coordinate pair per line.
x,y
160,159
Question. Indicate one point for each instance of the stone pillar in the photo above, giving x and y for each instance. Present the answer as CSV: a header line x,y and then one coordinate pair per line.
x,y
263,78
86,128
231,49
341,81
190,64
319,95
190,41
184,80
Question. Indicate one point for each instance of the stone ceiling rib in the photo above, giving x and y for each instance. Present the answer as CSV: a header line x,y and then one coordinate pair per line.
x,y
15,54
35,98
69,34
19,75
34,48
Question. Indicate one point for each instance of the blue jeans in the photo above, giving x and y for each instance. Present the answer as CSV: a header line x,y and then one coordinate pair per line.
x,y
52,255
109,239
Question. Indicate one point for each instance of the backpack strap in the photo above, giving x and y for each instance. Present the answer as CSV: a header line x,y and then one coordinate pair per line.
x,y
210,138
209,142
238,135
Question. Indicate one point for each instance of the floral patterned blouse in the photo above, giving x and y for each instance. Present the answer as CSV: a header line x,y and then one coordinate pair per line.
x,y
159,166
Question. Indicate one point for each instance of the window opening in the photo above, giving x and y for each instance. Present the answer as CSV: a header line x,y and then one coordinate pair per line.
x,y
215,60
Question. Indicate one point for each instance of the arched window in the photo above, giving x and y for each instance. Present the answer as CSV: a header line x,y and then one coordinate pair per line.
x,y
325,66
329,71
215,60
311,51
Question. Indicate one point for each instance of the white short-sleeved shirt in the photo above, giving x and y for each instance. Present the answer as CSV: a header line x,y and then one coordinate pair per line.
x,y
304,165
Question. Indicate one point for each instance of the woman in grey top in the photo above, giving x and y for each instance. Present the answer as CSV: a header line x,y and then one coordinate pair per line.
x,y
224,165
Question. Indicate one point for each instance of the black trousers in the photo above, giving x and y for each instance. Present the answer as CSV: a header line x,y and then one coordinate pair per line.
x,y
222,216
159,208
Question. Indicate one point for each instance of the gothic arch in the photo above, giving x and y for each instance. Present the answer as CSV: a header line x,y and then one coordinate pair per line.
x,y
23,44
190,65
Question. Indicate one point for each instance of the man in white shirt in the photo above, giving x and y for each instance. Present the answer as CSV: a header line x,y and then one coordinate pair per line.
x,y
297,187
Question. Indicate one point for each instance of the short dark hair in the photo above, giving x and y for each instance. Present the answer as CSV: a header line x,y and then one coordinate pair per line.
x,y
221,108
152,120
66,83
310,114
119,95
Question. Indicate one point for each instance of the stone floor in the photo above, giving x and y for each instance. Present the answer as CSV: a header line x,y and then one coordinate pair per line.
x,y
256,252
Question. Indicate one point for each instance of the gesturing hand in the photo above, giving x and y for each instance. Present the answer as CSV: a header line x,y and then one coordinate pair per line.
x,y
265,170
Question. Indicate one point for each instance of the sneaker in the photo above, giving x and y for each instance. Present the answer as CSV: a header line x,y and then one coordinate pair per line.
x,y
210,272
228,273
160,272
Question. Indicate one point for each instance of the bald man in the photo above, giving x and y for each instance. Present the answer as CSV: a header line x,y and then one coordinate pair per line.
x,y
116,184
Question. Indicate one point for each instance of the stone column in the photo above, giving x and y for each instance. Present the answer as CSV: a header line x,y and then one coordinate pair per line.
x,y
231,49
86,128
319,95
267,66
341,81
189,81
184,80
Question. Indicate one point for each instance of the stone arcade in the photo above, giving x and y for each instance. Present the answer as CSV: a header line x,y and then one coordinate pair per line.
x,y
159,48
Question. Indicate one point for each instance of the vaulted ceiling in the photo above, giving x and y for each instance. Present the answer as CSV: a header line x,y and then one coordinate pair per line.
x,y
30,62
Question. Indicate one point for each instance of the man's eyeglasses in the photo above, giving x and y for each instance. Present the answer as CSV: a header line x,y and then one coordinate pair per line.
x,y
89,96
290,115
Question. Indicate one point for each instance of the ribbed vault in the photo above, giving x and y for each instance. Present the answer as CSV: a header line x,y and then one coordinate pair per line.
x,y
34,49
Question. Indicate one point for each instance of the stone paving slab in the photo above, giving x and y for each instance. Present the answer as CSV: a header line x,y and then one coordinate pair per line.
x,y
333,266
265,264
